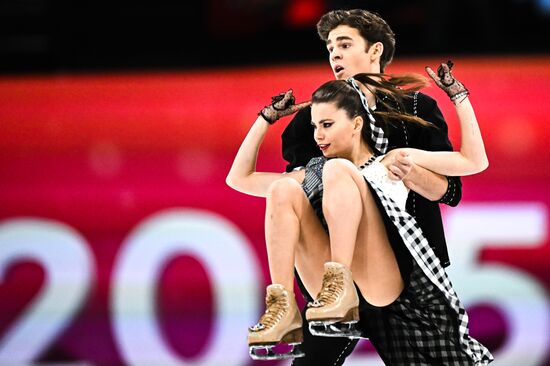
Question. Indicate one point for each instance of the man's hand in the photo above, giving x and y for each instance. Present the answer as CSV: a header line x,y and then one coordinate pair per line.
x,y
281,105
399,164
447,82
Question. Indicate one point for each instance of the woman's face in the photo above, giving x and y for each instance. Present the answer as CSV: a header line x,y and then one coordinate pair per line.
x,y
334,132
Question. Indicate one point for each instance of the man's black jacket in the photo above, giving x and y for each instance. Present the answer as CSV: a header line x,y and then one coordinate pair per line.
x,y
299,147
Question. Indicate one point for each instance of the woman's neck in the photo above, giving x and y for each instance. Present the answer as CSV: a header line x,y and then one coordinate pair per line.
x,y
360,155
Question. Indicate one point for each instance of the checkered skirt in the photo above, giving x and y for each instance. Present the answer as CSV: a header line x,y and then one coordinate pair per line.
x,y
424,257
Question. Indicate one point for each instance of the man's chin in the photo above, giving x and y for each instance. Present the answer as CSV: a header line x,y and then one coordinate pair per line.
x,y
341,76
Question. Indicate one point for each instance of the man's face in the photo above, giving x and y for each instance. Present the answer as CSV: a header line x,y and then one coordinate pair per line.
x,y
348,53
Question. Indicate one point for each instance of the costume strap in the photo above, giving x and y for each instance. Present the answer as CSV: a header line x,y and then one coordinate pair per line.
x,y
377,133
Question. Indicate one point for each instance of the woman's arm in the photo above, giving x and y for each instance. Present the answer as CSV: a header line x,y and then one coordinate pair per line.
x,y
471,158
243,176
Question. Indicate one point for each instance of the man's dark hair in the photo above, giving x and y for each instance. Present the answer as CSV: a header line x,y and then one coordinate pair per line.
x,y
369,24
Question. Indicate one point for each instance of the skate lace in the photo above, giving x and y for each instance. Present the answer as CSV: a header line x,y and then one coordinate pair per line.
x,y
275,309
333,285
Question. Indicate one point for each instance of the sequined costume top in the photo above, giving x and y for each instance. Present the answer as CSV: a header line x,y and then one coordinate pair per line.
x,y
395,189
373,169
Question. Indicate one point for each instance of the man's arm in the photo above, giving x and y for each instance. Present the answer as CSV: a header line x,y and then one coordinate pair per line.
x,y
426,183
432,186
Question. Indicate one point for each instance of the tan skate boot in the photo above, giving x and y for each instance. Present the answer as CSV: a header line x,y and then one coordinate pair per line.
x,y
336,310
280,324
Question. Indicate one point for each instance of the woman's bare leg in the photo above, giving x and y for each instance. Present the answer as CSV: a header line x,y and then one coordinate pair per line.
x,y
342,208
294,237
359,233
282,321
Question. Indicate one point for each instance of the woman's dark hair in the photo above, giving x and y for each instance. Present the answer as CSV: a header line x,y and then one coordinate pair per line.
x,y
390,90
369,24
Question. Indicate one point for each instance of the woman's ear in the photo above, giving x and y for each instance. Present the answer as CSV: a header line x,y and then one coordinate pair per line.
x,y
357,124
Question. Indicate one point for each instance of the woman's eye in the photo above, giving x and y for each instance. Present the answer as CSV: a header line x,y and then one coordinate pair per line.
x,y
327,125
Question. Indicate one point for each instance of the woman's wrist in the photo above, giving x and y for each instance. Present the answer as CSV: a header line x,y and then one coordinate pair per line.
x,y
460,97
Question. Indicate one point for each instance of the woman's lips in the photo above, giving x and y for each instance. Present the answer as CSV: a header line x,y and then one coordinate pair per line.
x,y
323,147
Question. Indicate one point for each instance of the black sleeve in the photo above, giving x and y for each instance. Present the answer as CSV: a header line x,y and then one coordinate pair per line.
x,y
298,144
437,139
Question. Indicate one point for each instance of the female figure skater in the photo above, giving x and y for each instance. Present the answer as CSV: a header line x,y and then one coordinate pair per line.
x,y
352,219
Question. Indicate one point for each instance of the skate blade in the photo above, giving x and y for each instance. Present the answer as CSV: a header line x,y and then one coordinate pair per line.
x,y
334,329
268,352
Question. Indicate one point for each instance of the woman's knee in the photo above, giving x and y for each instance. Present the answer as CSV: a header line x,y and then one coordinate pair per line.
x,y
284,190
337,169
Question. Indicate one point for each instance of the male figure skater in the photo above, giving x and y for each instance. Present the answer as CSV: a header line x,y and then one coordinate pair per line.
x,y
359,41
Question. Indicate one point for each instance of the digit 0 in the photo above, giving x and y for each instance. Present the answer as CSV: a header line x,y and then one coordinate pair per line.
x,y
227,257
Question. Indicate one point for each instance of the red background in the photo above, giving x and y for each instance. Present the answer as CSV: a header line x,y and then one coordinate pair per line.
x,y
102,152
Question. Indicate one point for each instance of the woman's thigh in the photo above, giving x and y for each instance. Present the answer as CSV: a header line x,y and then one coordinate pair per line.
x,y
374,265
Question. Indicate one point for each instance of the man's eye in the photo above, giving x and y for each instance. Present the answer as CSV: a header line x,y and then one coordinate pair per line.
x,y
330,50
346,45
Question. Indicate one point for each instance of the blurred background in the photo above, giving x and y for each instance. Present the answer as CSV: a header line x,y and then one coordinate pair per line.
x,y
62,35
120,242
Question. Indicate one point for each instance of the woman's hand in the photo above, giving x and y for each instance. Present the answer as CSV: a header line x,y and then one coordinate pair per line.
x,y
399,164
281,105
447,82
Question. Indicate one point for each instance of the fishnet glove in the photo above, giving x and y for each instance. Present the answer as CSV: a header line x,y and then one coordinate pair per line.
x,y
447,82
281,105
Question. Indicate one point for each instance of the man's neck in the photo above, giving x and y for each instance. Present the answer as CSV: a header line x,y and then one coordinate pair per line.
x,y
371,98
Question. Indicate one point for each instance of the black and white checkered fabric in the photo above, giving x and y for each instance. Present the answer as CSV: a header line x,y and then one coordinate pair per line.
x,y
417,329
420,250
377,133
313,187
425,258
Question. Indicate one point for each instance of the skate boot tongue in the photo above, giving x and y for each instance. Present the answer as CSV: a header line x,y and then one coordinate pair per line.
x,y
276,290
334,266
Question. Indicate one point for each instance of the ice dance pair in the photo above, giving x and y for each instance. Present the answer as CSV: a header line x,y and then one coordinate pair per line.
x,y
362,129
355,159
